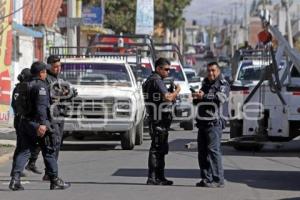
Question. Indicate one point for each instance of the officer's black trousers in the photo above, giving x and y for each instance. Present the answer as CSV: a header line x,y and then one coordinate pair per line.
x,y
34,154
159,148
209,153
27,142
34,151
59,139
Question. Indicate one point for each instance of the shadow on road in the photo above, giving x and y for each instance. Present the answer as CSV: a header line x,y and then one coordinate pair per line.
x,y
272,180
179,145
89,147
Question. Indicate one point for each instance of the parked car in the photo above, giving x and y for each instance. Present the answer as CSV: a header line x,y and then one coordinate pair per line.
x,y
195,82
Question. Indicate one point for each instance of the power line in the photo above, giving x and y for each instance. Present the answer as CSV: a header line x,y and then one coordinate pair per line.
x,y
12,13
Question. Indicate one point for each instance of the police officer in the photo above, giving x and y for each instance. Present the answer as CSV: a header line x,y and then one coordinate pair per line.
x,y
24,76
158,98
36,127
212,107
53,79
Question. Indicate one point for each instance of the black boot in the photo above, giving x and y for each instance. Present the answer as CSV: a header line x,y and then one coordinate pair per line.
x,y
15,183
151,178
57,183
33,168
162,179
152,163
46,177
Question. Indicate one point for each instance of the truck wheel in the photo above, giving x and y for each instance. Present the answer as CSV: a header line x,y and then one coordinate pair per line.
x,y
128,139
236,128
139,133
188,125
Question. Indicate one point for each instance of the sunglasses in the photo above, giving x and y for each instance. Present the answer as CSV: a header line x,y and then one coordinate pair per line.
x,y
166,69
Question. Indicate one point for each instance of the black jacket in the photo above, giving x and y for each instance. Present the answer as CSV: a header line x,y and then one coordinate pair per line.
x,y
213,107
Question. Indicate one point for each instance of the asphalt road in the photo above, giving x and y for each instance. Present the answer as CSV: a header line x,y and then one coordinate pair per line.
x,y
101,170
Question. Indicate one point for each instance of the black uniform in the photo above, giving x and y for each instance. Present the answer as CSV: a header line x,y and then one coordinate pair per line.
x,y
159,123
39,96
51,80
212,110
17,119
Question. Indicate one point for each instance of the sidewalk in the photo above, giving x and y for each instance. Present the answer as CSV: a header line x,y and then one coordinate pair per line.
x,y
7,143
7,133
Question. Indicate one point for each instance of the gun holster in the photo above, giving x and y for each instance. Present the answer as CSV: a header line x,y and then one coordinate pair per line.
x,y
49,138
160,135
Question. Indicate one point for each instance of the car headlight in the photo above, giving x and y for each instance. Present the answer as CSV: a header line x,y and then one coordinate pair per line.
x,y
123,104
123,107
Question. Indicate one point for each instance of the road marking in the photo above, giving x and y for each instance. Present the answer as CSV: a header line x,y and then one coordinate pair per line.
x,y
22,182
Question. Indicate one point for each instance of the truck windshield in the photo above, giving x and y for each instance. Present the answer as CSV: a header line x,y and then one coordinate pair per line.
x,y
176,73
99,73
250,72
142,71
190,75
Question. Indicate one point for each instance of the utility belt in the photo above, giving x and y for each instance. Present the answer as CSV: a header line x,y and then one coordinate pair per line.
x,y
209,123
158,129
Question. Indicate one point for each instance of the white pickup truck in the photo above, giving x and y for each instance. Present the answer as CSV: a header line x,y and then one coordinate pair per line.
x,y
109,101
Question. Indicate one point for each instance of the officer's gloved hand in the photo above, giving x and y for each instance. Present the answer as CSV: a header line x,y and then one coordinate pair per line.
x,y
171,87
75,92
160,130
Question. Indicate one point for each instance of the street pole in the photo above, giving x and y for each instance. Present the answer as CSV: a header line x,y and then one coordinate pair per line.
x,y
286,5
78,14
231,35
71,31
33,25
289,26
103,12
246,22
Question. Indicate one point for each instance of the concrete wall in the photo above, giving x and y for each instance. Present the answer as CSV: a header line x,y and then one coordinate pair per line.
x,y
26,49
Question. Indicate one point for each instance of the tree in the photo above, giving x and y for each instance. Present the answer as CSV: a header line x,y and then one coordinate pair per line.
x,y
169,12
120,14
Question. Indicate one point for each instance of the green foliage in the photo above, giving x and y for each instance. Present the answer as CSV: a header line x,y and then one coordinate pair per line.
x,y
120,14
169,12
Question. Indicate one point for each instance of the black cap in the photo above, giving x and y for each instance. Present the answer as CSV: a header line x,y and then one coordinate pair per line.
x,y
24,75
53,59
36,67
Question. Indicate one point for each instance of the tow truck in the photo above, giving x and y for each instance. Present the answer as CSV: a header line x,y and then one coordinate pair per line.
x,y
266,109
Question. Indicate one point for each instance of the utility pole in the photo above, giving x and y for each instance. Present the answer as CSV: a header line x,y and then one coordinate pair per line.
x,y
236,5
246,21
33,25
231,34
211,33
286,5
71,31
78,14
103,12
264,4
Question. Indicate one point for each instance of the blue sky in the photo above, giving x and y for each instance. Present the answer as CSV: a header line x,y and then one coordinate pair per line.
x,y
201,9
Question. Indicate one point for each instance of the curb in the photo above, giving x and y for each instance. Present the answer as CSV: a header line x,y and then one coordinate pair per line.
x,y
8,142
6,157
